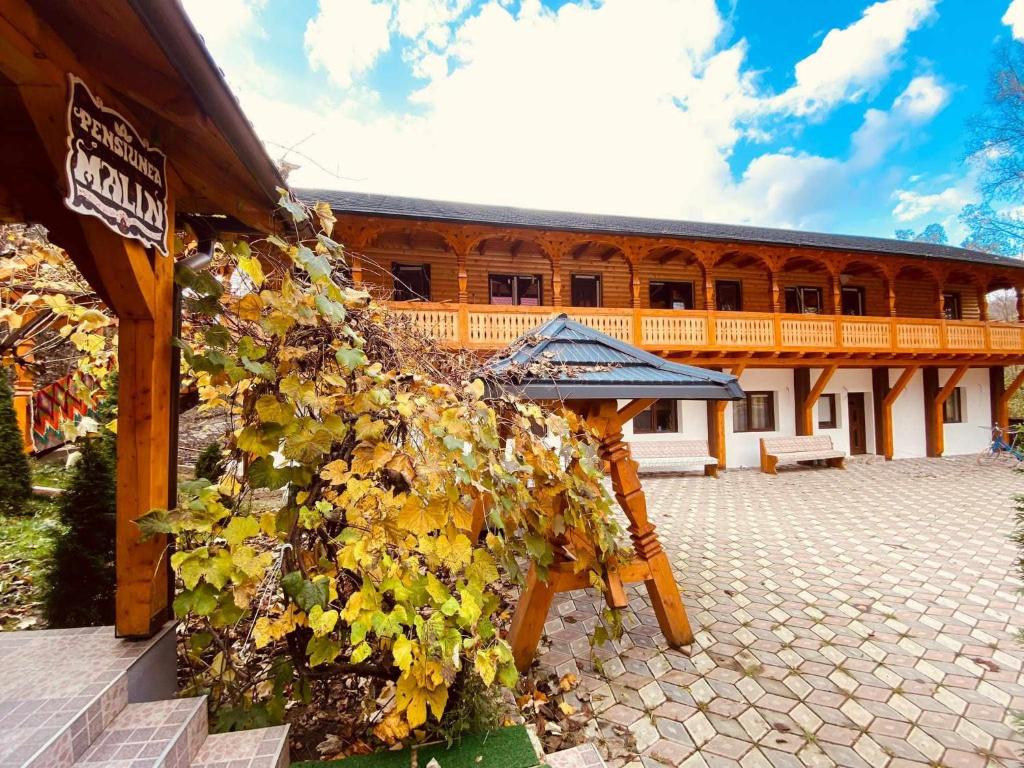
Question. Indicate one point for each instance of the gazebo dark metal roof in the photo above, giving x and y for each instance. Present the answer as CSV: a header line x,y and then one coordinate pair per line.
x,y
566,360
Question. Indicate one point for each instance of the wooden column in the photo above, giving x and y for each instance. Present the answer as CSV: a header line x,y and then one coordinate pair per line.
x,y
716,423
556,280
887,403
461,259
1003,404
879,391
805,404
143,443
1020,303
357,268
801,389
776,292
890,289
996,388
982,304
930,380
837,293
934,402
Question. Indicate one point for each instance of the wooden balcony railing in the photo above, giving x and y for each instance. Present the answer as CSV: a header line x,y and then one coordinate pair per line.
x,y
488,327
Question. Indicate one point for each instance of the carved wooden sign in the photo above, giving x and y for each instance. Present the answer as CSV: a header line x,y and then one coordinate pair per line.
x,y
112,172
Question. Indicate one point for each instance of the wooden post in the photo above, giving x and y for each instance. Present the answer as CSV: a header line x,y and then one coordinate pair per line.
x,y
462,257
890,288
937,443
996,387
837,294
1004,399
716,423
930,382
801,389
805,414
556,280
1020,303
982,304
887,403
879,390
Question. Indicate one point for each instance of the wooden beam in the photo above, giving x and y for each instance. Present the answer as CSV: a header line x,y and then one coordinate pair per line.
x,y
887,403
936,411
634,407
807,407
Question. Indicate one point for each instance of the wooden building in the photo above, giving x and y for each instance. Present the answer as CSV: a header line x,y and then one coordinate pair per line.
x,y
885,345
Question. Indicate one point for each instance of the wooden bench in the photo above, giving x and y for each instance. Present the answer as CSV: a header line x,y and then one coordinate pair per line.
x,y
791,450
673,456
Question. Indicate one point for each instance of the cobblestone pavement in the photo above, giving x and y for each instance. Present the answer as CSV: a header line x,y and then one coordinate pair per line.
x,y
857,618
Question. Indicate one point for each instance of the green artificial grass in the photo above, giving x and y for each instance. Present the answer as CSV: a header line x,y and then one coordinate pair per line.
x,y
503,748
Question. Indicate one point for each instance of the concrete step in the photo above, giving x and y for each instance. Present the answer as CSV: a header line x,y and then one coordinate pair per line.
x,y
261,748
153,734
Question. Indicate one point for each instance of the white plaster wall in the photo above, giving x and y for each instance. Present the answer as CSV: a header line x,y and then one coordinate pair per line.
x,y
974,433
908,438
843,382
744,449
691,418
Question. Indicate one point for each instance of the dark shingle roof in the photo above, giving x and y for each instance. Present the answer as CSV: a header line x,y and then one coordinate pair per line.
x,y
506,216
565,360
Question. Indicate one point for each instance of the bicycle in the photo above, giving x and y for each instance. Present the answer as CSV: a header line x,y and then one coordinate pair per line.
x,y
1000,451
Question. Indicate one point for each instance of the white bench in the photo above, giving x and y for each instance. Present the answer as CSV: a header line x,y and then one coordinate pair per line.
x,y
673,456
791,450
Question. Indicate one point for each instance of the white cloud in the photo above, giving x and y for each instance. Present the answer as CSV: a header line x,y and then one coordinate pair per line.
x,y
346,37
618,106
922,99
855,60
225,22
1014,19
912,205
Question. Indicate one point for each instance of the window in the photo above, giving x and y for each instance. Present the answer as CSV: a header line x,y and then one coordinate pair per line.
x,y
853,300
586,290
728,295
411,282
520,290
803,300
828,414
671,295
660,417
953,408
755,413
951,307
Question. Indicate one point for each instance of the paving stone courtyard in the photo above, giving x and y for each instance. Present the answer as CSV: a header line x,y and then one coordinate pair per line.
x,y
857,618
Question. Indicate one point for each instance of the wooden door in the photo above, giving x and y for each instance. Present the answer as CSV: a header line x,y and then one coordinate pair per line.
x,y
857,417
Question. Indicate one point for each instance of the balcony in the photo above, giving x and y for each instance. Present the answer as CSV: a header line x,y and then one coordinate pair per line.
x,y
700,334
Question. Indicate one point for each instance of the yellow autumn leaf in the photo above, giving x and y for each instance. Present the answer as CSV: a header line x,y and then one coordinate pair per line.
x,y
420,518
335,472
250,307
322,622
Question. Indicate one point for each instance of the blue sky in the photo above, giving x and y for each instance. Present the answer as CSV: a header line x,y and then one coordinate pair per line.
x,y
845,115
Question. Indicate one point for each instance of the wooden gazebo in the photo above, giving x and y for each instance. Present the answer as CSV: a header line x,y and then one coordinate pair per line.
x,y
590,372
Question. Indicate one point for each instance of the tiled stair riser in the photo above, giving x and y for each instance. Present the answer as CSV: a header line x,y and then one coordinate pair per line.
x,y
263,748
158,734
71,741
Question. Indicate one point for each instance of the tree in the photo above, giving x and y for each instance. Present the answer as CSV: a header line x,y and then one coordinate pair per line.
x,y
374,567
996,135
15,473
933,233
81,584
992,232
